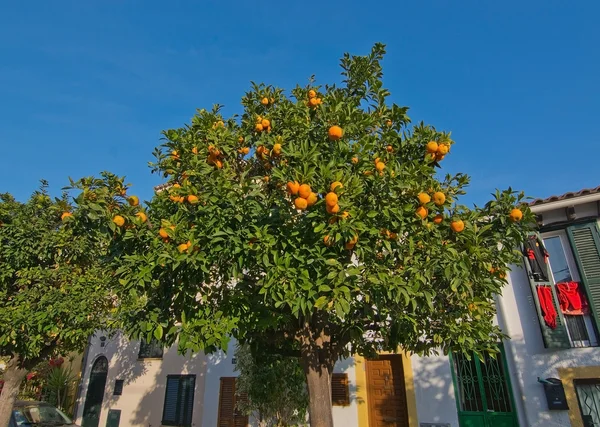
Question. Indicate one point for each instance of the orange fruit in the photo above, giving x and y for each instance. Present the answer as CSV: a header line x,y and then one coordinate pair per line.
x,y
368,173
335,133
244,150
439,157
439,198
438,219
312,94
313,102
66,215
293,187
176,185
432,147
258,127
163,233
241,139
331,199
182,248
457,225
377,160
443,149
312,199
393,235
218,164
424,198
211,148
133,200
345,215
192,199
350,243
327,240
335,185
181,199
142,216
355,160
174,155
264,101
422,212
333,209
277,149
258,119
319,101
173,198
119,220
195,150
219,124
516,215
300,203
380,166
304,191
389,148
266,178
388,123
265,123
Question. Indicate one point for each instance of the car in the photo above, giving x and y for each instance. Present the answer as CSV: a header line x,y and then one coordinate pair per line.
x,y
30,413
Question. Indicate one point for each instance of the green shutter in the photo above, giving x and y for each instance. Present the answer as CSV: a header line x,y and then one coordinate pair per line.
x,y
585,240
553,338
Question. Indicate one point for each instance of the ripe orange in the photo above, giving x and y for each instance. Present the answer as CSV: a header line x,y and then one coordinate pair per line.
x,y
219,124
368,173
181,199
182,248
174,155
422,212
355,160
195,150
265,123
313,102
211,148
331,199
264,101
293,187
319,101
176,185
350,243
142,216
438,219
244,150
218,164
277,149
389,148
345,215
327,240
432,147
335,133
333,209
439,198
457,225
192,199
377,160
66,215
119,220
300,203
241,139
312,199
163,233
443,149
380,166
439,157
424,198
304,191
133,200
312,94
258,127
266,178
388,123
335,185
516,215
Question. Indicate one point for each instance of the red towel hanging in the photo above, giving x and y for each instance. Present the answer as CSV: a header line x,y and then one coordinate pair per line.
x,y
547,305
571,298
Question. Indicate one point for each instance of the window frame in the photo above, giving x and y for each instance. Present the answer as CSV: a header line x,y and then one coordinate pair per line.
x,y
152,356
118,388
344,382
180,417
568,251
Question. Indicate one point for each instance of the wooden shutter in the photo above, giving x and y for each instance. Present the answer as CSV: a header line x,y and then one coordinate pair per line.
x,y
585,240
171,399
553,338
228,413
186,400
340,392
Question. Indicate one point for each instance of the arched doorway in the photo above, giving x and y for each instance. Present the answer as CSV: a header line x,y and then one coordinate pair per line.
x,y
95,393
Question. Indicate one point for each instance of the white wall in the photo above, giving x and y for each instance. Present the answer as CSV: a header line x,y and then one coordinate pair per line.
x,y
347,416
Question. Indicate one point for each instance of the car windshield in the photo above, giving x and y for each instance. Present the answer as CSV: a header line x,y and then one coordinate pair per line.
x,y
40,414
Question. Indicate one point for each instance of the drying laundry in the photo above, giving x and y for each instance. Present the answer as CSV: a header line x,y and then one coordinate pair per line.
x,y
571,298
537,256
547,305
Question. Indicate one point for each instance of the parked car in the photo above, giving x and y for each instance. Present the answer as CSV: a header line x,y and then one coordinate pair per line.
x,y
30,413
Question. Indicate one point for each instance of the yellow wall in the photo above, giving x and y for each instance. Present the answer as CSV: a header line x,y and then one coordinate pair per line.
x,y
361,391
567,376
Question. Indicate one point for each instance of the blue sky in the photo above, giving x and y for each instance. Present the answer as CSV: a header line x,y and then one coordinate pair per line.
x,y
87,86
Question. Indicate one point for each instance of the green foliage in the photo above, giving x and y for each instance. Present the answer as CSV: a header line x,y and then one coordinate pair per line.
x,y
274,385
244,262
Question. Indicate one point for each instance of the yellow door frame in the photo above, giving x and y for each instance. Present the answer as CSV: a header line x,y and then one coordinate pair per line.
x,y
568,377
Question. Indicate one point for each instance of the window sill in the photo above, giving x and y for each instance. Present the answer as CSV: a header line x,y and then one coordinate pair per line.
x,y
148,359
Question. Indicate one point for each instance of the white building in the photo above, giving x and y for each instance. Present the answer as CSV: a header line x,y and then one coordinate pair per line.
x,y
400,390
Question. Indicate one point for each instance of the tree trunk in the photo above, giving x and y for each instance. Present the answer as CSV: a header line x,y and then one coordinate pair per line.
x,y
13,377
319,387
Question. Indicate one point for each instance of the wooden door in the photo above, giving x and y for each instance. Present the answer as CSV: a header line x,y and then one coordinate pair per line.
x,y
386,394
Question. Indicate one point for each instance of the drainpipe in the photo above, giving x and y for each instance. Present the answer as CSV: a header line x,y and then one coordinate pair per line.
x,y
511,361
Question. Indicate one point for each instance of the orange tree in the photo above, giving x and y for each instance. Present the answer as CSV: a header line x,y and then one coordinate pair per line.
x,y
55,286
316,224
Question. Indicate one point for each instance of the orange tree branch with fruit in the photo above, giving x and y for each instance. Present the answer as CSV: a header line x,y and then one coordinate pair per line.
x,y
317,224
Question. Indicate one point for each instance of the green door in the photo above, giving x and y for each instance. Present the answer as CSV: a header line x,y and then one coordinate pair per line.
x,y
483,393
95,393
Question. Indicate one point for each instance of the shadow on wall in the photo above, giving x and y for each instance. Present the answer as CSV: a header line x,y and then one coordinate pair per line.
x,y
348,366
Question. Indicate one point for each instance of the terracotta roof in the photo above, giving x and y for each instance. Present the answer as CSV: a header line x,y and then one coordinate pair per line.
x,y
161,187
569,195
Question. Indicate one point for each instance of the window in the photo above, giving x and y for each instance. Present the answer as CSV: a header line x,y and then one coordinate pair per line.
x,y
118,388
179,400
340,394
229,414
563,268
151,350
588,396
